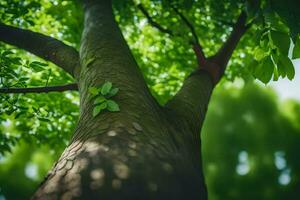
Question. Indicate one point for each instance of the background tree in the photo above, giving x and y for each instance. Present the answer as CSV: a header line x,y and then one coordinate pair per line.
x,y
265,137
106,155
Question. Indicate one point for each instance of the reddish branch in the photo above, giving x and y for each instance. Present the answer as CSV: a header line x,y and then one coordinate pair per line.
x,y
41,45
217,64
61,88
199,54
225,52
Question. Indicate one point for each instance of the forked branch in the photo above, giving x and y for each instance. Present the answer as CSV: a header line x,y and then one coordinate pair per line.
x,y
225,52
41,45
192,99
60,88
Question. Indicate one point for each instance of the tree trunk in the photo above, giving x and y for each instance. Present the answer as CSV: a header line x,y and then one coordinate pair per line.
x,y
145,151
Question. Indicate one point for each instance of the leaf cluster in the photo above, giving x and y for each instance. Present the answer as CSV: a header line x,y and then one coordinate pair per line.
x,y
271,57
275,34
101,98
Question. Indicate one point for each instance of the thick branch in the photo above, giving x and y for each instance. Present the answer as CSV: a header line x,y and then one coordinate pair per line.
x,y
224,54
61,88
201,59
189,105
192,99
41,45
154,23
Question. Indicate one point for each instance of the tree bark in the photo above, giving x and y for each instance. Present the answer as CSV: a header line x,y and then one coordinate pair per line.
x,y
43,46
145,151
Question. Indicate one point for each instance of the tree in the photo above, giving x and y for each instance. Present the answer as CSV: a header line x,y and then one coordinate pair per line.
x,y
125,144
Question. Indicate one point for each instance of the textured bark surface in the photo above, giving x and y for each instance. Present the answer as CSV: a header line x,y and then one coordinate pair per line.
x,y
145,151
41,45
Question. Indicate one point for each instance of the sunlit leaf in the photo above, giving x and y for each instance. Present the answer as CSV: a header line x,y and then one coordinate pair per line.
x,y
93,90
106,88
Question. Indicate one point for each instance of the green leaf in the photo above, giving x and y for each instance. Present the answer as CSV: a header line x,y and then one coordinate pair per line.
x,y
35,109
296,50
10,111
272,19
259,54
252,66
39,63
36,68
252,8
281,41
288,10
16,61
264,70
23,79
97,109
99,99
43,119
6,53
281,70
264,42
93,90
112,106
288,66
113,92
31,22
106,88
